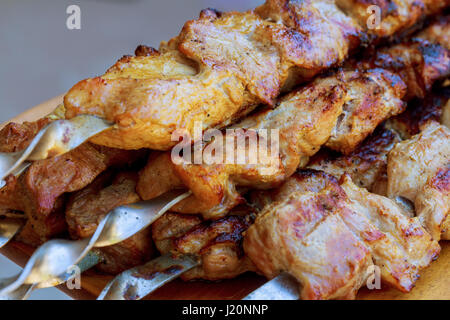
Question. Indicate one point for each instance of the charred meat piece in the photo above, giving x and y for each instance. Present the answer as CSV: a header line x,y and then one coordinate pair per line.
x,y
132,252
218,243
372,96
419,62
87,207
418,170
236,60
15,137
327,234
303,234
40,188
434,107
396,16
366,165
438,32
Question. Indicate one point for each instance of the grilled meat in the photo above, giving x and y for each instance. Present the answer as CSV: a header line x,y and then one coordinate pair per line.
x,y
327,234
339,111
217,243
434,107
86,208
235,60
366,165
15,137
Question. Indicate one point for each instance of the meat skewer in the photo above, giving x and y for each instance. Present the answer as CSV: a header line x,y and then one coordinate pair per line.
x,y
181,229
272,48
55,139
367,166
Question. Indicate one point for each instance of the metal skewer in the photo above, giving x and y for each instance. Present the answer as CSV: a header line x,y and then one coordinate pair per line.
x,y
54,257
55,139
136,283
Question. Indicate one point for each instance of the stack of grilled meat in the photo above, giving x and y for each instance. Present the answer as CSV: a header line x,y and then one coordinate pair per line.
x,y
362,174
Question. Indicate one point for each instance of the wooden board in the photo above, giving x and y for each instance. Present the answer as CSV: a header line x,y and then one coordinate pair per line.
x,y
434,282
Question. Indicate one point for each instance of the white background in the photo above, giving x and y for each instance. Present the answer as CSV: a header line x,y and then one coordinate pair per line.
x,y
40,58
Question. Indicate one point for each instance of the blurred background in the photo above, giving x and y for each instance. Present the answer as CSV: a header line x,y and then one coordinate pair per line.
x,y
41,58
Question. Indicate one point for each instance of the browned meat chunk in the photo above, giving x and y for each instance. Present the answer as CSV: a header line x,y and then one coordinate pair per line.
x,y
326,235
217,243
418,171
87,207
38,190
366,165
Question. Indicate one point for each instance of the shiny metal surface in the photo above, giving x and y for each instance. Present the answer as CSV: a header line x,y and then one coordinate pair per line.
x,y
283,287
136,283
8,229
55,139
54,257
25,290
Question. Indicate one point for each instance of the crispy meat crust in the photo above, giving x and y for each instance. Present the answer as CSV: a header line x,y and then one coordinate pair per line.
x,y
366,165
418,171
327,234
17,136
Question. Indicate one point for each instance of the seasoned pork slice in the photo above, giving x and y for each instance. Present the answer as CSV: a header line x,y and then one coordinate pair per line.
x,y
434,107
133,252
400,246
304,118
418,170
438,32
304,234
326,235
217,243
366,165
396,16
419,62
37,191
373,96
15,137
87,207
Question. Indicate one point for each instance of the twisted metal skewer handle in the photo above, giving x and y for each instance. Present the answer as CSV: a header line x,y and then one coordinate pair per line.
x,y
54,257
